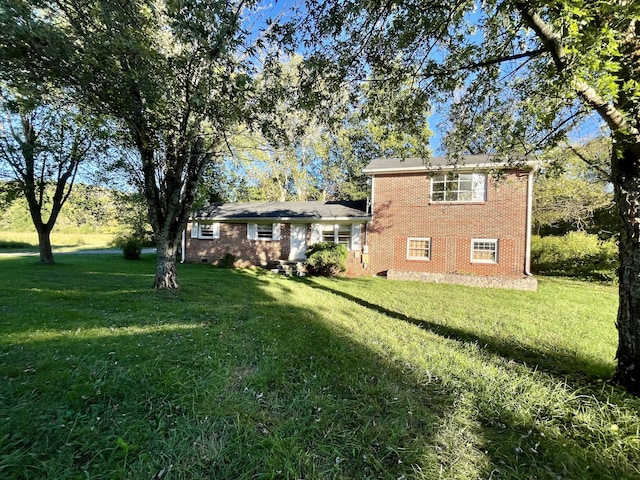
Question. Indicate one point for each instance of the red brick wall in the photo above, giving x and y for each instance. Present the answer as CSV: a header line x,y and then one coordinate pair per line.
x,y
402,209
233,239
354,264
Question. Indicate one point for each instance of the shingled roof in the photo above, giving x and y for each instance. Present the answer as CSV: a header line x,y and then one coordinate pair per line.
x,y
434,164
284,211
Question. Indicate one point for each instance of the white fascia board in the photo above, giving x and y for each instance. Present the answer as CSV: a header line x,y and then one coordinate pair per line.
x,y
284,219
528,165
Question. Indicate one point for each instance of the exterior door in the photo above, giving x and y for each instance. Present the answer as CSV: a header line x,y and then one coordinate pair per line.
x,y
298,250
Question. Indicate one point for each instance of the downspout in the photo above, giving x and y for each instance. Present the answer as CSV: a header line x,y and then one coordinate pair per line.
x,y
372,197
370,209
182,245
527,257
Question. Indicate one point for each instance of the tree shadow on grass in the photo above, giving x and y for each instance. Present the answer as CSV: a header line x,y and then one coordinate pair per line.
x,y
243,384
241,375
558,362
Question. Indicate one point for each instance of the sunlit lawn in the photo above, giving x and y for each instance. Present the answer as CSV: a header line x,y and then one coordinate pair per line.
x,y
61,242
242,374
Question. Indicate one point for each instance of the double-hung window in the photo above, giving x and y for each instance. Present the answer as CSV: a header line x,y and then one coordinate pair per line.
x,y
484,250
205,231
340,234
418,248
263,231
459,187
329,233
346,234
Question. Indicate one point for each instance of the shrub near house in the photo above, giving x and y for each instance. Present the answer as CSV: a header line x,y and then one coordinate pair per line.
x,y
576,254
327,258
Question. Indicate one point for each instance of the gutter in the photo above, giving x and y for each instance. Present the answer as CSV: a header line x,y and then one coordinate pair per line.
x,y
527,255
285,219
446,168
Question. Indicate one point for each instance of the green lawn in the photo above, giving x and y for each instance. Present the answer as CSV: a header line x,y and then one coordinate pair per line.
x,y
61,242
243,375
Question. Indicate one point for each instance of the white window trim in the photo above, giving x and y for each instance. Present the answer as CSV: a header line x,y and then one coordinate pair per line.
x,y
214,227
485,240
355,233
269,227
420,239
198,228
252,232
478,188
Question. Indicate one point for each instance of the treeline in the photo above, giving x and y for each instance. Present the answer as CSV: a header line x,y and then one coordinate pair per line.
x,y
89,209
574,216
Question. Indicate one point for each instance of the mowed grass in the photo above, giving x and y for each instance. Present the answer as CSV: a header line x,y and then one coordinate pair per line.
x,y
242,374
61,242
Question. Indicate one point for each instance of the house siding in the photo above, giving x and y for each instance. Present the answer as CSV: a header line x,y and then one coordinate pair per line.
x,y
403,209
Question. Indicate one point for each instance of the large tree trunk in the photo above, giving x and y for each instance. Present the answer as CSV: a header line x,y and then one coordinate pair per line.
x,y
170,200
626,180
167,250
43,229
44,243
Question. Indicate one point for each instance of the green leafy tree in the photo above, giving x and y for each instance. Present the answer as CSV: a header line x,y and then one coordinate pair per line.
x,y
41,148
517,76
176,76
573,191
311,152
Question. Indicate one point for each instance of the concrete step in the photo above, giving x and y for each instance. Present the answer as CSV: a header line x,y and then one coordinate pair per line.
x,y
287,267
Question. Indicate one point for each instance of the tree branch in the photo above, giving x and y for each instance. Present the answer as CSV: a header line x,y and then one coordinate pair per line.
x,y
592,164
552,44
494,61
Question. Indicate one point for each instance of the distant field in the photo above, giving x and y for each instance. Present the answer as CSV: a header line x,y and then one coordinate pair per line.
x,y
242,374
62,242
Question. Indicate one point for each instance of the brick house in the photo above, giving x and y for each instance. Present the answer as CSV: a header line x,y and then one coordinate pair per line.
x,y
468,223
258,233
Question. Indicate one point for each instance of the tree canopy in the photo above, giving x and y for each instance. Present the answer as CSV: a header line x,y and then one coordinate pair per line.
x,y
176,76
573,191
515,76
43,142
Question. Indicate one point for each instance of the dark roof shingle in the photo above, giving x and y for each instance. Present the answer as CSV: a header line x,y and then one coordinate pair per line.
x,y
314,210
